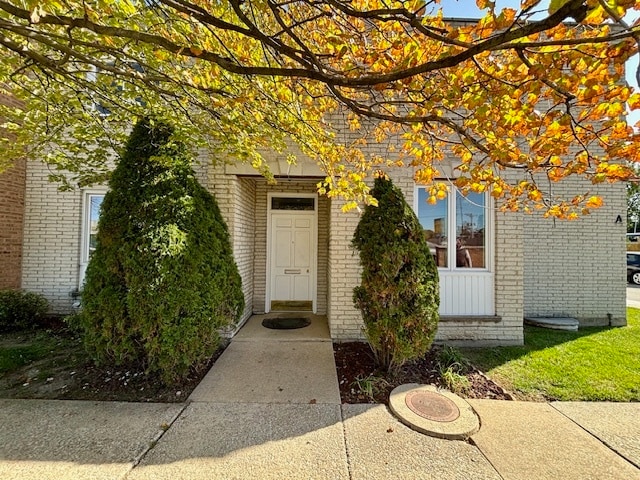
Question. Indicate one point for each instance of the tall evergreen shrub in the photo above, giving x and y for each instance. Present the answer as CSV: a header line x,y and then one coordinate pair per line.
x,y
162,279
398,295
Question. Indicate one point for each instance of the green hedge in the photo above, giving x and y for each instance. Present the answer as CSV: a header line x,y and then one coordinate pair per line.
x,y
21,310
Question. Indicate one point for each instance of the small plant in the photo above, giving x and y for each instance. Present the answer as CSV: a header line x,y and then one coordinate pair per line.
x,y
73,322
454,380
370,385
20,310
449,356
453,366
364,384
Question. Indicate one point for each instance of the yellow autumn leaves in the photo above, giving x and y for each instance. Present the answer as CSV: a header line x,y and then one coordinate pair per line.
x,y
461,103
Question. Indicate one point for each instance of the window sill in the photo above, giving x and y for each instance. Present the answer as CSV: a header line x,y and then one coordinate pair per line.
x,y
469,319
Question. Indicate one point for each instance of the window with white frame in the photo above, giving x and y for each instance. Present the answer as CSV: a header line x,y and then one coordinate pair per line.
x,y
92,202
456,228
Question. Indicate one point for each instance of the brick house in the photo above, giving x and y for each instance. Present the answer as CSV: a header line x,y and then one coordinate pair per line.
x,y
293,250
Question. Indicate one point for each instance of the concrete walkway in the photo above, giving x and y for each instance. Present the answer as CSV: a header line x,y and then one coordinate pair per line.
x,y
262,365
269,409
633,295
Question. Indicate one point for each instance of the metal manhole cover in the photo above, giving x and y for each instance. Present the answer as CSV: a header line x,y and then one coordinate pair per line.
x,y
432,406
286,323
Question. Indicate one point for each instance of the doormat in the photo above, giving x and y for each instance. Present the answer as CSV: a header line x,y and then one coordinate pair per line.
x,y
291,306
286,323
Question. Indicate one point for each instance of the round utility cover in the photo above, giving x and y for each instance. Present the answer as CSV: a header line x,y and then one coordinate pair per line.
x,y
434,411
432,406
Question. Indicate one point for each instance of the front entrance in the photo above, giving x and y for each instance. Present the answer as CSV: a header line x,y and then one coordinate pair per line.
x,y
291,262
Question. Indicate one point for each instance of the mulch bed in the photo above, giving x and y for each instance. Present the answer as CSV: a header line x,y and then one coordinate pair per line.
x,y
354,363
67,373
131,384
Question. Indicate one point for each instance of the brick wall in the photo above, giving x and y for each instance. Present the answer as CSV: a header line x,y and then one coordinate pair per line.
x,y
12,202
51,239
234,201
243,236
577,269
508,271
345,321
53,223
12,192
539,267
52,245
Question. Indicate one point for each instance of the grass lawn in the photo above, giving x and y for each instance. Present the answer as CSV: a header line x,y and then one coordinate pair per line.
x,y
20,349
594,364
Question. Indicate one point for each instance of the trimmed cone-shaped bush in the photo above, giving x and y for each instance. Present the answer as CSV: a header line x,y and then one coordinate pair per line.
x,y
398,295
162,279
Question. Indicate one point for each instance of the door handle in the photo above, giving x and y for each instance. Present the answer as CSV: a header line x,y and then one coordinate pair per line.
x,y
292,270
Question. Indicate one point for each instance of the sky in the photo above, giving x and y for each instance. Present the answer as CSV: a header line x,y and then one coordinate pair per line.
x,y
468,9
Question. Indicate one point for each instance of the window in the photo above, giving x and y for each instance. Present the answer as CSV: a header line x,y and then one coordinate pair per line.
x,y
293,203
456,229
92,202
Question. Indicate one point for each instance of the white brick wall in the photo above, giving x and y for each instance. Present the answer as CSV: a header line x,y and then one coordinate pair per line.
x,y
541,267
577,268
345,321
242,237
53,224
235,199
51,239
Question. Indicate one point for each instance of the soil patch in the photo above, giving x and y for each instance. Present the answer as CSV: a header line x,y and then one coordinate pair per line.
x,y
361,382
54,365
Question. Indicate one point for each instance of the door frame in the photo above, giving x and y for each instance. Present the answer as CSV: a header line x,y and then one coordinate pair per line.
x,y
314,247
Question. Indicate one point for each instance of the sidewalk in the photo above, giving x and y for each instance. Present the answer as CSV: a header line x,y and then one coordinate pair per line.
x,y
283,420
87,440
633,303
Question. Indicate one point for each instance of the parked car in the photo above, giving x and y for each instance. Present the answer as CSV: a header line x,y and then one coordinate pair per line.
x,y
633,267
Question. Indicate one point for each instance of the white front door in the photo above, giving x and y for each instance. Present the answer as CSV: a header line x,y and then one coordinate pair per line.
x,y
292,260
